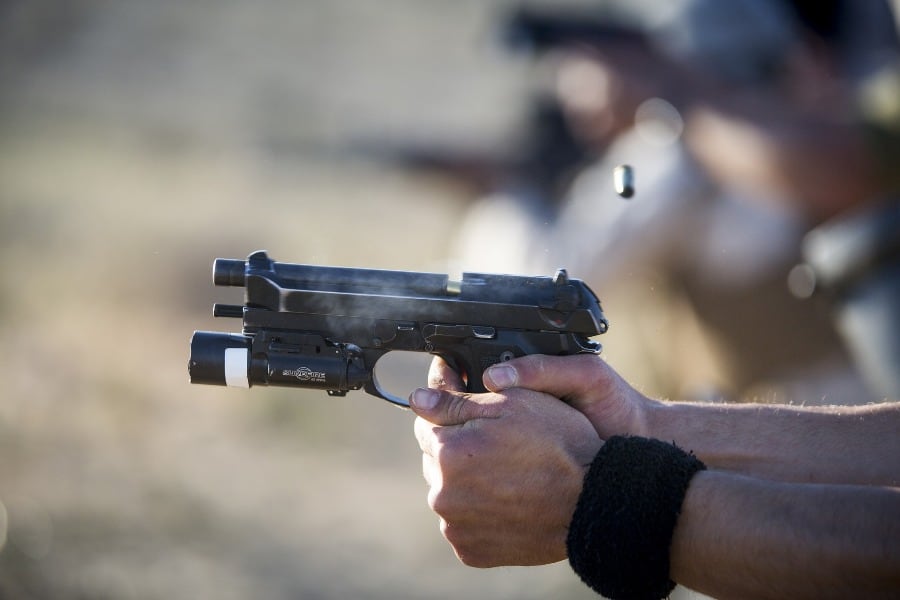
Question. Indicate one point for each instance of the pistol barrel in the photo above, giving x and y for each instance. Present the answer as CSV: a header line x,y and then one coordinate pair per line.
x,y
229,272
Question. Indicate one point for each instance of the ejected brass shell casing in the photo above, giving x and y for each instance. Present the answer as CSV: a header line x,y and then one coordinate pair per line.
x,y
623,179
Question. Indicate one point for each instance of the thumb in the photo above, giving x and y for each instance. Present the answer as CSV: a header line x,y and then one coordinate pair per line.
x,y
442,407
580,379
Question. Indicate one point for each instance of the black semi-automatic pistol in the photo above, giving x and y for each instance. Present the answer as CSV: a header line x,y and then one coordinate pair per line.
x,y
326,327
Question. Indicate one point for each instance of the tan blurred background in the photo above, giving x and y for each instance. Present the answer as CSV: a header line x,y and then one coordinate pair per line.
x,y
138,142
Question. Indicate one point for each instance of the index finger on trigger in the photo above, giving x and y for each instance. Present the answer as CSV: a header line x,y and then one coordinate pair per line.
x,y
442,377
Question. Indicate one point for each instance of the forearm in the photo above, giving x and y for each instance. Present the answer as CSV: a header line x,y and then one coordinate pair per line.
x,y
846,444
741,537
838,444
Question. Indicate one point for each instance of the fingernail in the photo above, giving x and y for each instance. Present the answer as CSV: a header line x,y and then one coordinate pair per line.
x,y
502,376
424,398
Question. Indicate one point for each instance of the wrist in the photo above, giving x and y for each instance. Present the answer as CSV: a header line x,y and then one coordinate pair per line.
x,y
651,418
616,408
638,417
621,531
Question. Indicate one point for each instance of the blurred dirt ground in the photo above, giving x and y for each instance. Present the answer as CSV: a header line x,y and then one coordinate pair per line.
x,y
139,141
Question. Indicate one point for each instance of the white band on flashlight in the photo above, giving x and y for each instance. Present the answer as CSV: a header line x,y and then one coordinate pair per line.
x,y
236,367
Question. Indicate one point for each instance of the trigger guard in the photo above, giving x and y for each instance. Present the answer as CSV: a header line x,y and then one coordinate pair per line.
x,y
373,387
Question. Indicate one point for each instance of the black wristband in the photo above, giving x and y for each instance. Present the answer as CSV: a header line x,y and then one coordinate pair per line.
x,y
619,538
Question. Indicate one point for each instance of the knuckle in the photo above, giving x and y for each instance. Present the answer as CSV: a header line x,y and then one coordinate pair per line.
x,y
472,560
443,500
459,408
596,372
464,544
533,368
424,433
435,499
460,453
473,555
458,537
469,544
455,409
450,463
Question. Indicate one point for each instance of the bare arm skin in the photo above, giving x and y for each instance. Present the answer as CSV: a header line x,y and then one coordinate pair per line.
x,y
741,537
845,445
838,444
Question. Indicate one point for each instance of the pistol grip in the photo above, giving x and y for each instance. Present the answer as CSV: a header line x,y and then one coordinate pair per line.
x,y
469,370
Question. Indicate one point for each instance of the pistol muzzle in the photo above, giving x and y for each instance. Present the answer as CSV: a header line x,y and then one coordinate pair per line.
x,y
229,272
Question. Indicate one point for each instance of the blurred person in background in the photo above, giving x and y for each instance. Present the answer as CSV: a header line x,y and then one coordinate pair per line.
x,y
827,146
749,123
